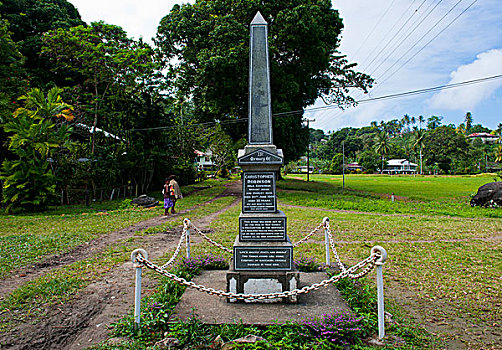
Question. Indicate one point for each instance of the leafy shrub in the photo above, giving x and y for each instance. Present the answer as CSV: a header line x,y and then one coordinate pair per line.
x,y
203,262
306,264
125,204
339,327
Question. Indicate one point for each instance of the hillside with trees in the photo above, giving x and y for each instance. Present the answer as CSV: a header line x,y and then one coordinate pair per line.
x,y
435,148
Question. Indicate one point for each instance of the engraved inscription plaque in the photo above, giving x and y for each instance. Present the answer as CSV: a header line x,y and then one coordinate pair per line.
x,y
263,258
258,192
260,157
262,229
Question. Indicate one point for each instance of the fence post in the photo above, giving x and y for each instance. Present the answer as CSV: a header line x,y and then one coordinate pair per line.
x,y
379,266
186,224
137,292
325,222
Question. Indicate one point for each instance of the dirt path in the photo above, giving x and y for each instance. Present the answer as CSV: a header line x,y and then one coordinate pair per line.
x,y
84,320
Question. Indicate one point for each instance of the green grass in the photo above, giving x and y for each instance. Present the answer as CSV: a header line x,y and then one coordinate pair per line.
x,y
444,256
26,239
450,266
447,196
31,299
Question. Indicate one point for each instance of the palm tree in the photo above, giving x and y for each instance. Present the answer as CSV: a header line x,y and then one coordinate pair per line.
x,y
498,154
406,121
419,143
468,121
499,133
382,145
421,119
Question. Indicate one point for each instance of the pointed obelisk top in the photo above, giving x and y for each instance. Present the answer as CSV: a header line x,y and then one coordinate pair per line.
x,y
260,112
258,20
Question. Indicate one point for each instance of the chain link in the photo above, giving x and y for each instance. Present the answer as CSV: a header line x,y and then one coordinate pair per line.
x,y
339,262
367,265
210,240
175,255
308,236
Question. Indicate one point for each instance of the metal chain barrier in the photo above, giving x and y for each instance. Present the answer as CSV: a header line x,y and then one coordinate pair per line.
x,y
340,264
210,240
175,255
368,261
230,250
308,236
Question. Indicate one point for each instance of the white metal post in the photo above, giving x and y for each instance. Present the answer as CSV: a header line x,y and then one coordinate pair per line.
x,y
186,223
381,311
137,291
137,297
326,239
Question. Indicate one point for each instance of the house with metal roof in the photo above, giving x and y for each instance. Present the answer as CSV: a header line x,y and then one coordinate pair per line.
x,y
400,166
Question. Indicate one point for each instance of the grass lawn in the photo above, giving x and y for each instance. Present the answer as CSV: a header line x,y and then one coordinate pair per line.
x,y
444,263
426,195
29,238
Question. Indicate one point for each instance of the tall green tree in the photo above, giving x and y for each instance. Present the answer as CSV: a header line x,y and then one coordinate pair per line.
x,y
11,71
444,146
468,122
28,21
382,146
36,131
419,142
106,59
205,47
433,122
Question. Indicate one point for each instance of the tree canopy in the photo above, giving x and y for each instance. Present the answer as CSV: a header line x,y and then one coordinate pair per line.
x,y
205,47
28,20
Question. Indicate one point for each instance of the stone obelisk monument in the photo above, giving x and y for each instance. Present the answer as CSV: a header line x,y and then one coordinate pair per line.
x,y
262,252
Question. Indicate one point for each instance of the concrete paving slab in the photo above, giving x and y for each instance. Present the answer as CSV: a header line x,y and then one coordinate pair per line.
x,y
212,309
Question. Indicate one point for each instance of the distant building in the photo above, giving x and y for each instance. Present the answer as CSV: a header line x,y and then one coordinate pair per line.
x,y
400,166
484,136
303,169
203,160
353,167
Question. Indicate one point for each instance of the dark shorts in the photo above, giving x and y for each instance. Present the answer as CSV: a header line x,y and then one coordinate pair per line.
x,y
168,203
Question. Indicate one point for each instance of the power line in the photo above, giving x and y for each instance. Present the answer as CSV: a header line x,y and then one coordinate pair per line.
x,y
423,47
412,92
417,25
393,37
374,27
313,109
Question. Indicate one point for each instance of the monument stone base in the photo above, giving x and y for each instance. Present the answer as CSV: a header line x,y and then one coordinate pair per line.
x,y
263,282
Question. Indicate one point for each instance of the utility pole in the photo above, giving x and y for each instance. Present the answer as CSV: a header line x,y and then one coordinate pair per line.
x,y
308,147
343,165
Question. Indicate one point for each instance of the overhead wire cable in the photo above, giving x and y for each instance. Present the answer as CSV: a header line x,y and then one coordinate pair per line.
x,y
393,37
427,44
403,40
314,109
374,27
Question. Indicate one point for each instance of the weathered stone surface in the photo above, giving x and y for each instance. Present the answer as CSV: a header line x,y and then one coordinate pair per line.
x,y
145,201
489,195
260,112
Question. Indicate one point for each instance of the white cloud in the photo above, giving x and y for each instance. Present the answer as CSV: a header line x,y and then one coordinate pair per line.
x,y
137,18
487,64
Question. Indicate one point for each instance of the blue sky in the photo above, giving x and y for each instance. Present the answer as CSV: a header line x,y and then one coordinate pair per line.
x,y
387,38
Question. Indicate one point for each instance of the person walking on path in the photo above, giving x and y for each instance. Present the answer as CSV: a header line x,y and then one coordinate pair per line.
x,y
168,193
176,191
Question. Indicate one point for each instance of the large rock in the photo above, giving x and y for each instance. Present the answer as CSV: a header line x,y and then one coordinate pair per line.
x,y
145,201
489,195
